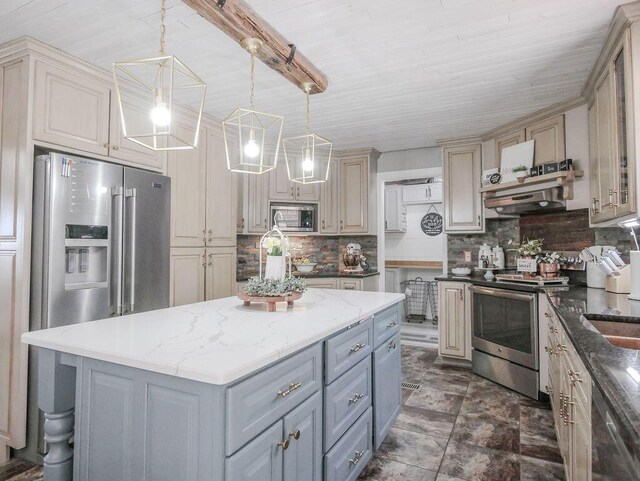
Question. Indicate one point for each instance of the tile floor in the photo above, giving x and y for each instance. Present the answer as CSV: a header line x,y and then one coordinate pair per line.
x,y
461,427
456,427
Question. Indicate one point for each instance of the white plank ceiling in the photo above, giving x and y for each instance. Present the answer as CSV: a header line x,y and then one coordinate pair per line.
x,y
401,74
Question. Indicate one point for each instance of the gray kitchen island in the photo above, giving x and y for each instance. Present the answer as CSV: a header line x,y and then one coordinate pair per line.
x,y
220,391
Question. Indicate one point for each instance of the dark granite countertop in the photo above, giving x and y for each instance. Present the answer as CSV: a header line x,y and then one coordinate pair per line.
x,y
322,274
607,364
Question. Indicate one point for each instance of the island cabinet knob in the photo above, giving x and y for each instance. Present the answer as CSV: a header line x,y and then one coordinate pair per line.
x,y
284,444
356,458
357,347
391,345
392,324
294,434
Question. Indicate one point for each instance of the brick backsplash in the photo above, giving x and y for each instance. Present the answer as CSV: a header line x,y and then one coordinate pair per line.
x,y
326,249
560,230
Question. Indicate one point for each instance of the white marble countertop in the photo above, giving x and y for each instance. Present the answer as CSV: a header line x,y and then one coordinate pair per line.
x,y
215,342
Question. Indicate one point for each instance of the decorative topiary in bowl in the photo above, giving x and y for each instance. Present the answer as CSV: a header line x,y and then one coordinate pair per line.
x,y
268,287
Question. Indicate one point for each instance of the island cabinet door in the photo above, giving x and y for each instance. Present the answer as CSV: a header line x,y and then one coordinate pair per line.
x,y
303,429
261,459
387,391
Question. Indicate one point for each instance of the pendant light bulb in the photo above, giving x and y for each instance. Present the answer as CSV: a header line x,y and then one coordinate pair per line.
x,y
160,114
251,148
307,163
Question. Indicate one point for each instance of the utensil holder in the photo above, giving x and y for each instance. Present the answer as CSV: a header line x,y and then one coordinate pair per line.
x,y
620,284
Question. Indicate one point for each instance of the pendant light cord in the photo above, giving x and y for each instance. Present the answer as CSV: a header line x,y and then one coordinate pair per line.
x,y
252,84
163,19
308,114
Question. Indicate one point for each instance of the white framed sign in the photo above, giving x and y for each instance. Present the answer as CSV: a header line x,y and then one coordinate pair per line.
x,y
527,265
515,156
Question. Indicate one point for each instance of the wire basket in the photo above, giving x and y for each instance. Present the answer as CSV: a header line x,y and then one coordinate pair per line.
x,y
420,296
416,299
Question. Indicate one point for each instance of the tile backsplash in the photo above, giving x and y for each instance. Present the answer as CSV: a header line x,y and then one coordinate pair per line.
x,y
326,249
566,231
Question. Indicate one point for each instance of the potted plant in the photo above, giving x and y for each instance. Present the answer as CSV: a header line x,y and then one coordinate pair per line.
x,y
276,262
550,264
521,172
528,251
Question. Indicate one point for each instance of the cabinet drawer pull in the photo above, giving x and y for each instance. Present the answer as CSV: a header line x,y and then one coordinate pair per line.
x,y
553,330
392,324
562,348
357,457
574,376
115,147
291,191
547,315
294,434
550,350
292,387
549,390
356,398
594,206
105,145
357,347
391,345
284,444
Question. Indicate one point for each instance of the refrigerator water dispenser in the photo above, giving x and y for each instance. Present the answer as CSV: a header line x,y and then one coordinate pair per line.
x,y
87,256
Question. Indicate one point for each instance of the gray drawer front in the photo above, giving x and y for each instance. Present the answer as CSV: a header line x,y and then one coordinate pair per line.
x,y
385,324
254,404
343,463
347,349
260,460
387,390
346,400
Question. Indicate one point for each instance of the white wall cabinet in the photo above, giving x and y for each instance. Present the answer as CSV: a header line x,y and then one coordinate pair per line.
x,y
395,211
463,209
454,321
221,211
508,140
422,193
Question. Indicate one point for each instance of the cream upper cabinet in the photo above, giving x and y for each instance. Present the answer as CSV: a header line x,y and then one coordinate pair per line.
x,y
612,146
328,209
221,193
258,203
452,317
354,192
71,109
463,209
280,187
549,140
220,278
508,140
188,172
187,276
127,150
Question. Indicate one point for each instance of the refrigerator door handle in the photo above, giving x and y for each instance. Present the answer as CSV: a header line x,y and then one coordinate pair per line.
x,y
116,247
132,195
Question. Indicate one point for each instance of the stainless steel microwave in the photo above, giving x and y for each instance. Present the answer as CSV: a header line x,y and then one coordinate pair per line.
x,y
295,217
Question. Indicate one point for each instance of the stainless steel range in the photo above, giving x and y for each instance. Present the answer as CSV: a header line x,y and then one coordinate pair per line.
x,y
505,337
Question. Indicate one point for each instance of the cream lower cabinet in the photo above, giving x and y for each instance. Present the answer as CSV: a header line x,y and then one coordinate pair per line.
x,y
569,387
463,209
202,274
323,283
454,321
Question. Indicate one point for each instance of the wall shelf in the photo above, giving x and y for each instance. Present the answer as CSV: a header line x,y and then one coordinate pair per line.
x,y
564,179
413,264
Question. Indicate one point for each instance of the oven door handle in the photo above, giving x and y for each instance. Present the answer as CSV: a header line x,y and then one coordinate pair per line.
x,y
489,291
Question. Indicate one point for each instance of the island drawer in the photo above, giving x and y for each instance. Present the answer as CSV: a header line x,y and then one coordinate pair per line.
x,y
385,324
346,460
347,349
258,402
345,401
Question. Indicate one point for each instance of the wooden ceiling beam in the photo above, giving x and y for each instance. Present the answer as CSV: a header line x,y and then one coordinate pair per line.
x,y
239,21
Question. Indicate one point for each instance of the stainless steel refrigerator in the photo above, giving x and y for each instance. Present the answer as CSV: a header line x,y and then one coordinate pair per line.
x,y
100,247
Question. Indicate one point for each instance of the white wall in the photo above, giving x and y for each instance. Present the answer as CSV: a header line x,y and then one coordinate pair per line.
x,y
410,159
414,244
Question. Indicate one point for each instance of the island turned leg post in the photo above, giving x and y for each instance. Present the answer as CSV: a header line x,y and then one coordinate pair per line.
x,y
56,397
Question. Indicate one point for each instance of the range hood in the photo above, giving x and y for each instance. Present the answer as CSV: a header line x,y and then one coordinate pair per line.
x,y
535,201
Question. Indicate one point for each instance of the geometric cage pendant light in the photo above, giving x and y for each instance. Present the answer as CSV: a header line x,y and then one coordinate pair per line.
x,y
147,92
308,156
252,139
